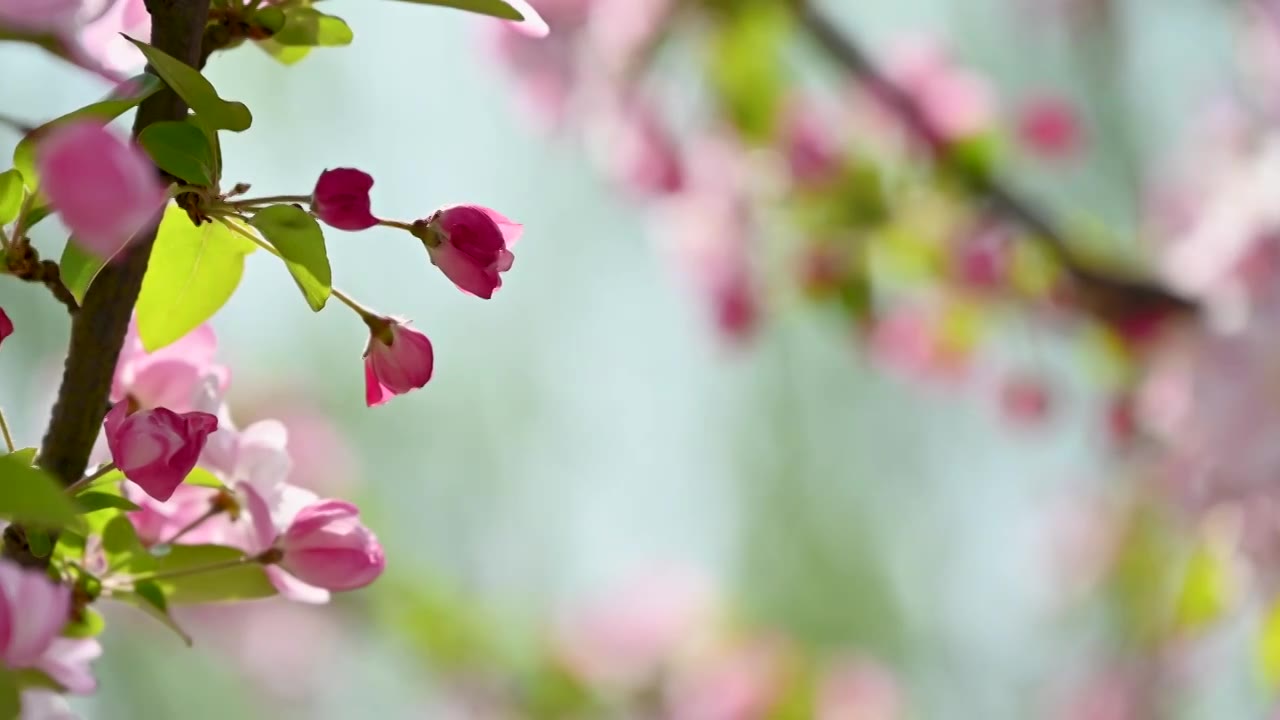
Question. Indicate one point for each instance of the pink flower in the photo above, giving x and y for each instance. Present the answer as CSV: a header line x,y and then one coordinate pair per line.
x,y
956,102
811,148
327,546
471,245
1025,400
33,611
159,521
157,448
637,148
51,17
396,360
341,199
743,684
858,689
170,377
1050,128
102,39
103,186
6,325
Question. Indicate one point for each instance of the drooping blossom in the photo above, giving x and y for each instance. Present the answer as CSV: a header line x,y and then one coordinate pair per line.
x,y
341,199
397,359
103,186
706,232
157,448
634,145
471,245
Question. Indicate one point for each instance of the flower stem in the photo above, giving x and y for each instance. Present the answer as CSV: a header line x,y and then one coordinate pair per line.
x,y
397,224
269,200
74,488
200,570
365,313
211,512
4,428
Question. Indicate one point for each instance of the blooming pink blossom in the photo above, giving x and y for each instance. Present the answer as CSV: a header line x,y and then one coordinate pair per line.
x,y
397,359
103,186
6,325
157,448
341,199
170,377
471,246
158,521
742,684
33,611
327,546
957,102
1050,128
623,637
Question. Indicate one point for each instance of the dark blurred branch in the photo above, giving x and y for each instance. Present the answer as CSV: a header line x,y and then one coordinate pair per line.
x,y
98,329
1109,295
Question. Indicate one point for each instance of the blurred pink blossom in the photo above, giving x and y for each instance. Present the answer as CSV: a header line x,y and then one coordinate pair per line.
x,y
810,145
33,611
909,340
858,689
742,683
630,139
546,69
1050,128
170,377
958,103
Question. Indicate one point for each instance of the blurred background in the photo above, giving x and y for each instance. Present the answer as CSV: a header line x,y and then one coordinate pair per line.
x,y
588,429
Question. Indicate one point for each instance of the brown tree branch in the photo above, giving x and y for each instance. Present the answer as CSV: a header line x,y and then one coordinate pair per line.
x,y
98,329
1112,296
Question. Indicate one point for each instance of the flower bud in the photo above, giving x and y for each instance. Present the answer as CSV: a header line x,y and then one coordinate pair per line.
x,y
103,186
341,199
157,449
327,546
6,325
396,360
471,246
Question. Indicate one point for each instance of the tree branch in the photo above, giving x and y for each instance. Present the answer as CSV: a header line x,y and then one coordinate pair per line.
x,y
1111,296
98,329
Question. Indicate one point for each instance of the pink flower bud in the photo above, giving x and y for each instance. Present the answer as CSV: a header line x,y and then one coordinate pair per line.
x,y
471,246
1050,128
103,186
327,546
157,448
396,360
6,325
341,199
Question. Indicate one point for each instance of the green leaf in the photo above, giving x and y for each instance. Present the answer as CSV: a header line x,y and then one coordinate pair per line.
x,y
242,582
1269,647
10,195
300,241
192,273
39,542
492,8
90,624
139,88
78,268
211,135
122,548
10,704
283,54
307,27
203,478
149,598
196,91
746,67
94,501
182,150
26,456
32,495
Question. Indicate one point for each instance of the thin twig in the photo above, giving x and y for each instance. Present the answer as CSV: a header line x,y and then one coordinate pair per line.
x,y
1110,295
4,428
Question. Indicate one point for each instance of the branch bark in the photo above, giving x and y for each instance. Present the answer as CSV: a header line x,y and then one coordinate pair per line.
x,y
1111,296
98,329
